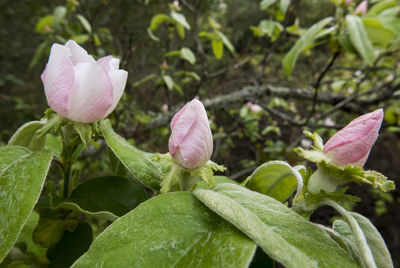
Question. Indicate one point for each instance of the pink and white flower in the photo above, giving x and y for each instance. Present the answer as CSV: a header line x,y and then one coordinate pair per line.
x,y
80,88
191,142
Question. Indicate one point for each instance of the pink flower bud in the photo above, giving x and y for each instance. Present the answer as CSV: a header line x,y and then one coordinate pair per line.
x,y
80,88
348,2
352,144
191,142
254,107
362,8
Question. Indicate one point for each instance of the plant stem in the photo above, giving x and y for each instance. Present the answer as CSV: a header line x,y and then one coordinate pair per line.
x,y
67,173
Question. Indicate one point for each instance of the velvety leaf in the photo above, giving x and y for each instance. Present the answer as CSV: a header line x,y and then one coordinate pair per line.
x,y
21,180
359,38
377,32
218,48
374,240
283,234
135,160
305,40
117,195
276,179
26,136
169,230
70,247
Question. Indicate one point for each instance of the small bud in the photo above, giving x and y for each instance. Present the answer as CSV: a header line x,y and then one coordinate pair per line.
x,y
191,142
362,8
352,144
165,108
254,107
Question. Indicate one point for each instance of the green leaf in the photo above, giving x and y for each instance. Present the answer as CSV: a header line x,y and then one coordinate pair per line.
x,y
117,195
46,21
360,237
374,239
180,18
377,33
168,82
226,41
181,30
359,38
26,136
26,235
157,20
381,6
54,144
145,79
305,40
276,179
135,160
170,230
187,54
71,246
218,48
84,131
85,23
284,5
80,38
59,15
283,234
22,177
264,4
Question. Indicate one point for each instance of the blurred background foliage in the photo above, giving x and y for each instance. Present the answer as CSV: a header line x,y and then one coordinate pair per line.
x,y
233,55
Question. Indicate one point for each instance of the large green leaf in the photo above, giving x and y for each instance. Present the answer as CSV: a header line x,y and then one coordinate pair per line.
x,y
71,246
26,136
22,175
359,38
170,230
135,160
276,179
283,234
379,35
364,239
117,195
305,40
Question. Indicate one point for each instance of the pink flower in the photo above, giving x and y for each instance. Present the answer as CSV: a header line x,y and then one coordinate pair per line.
x,y
348,2
78,87
362,8
191,142
254,107
352,144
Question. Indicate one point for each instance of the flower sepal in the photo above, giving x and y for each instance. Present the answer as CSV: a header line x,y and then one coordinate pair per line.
x,y
329,175
178,178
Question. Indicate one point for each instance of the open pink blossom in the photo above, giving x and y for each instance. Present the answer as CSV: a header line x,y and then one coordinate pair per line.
x,y
79,88
352,144
362,8
191,143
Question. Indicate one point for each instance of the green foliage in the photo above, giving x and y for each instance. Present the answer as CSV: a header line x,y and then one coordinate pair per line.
x,y
276,179
137,162
284,235
27,136
156,233
22,175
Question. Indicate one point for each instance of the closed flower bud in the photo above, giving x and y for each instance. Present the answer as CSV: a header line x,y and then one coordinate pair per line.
x,y
191,143
80,88
362,8
352,144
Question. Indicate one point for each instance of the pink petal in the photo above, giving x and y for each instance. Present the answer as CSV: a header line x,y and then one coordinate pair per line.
x,y
58,78
78,54
92,94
